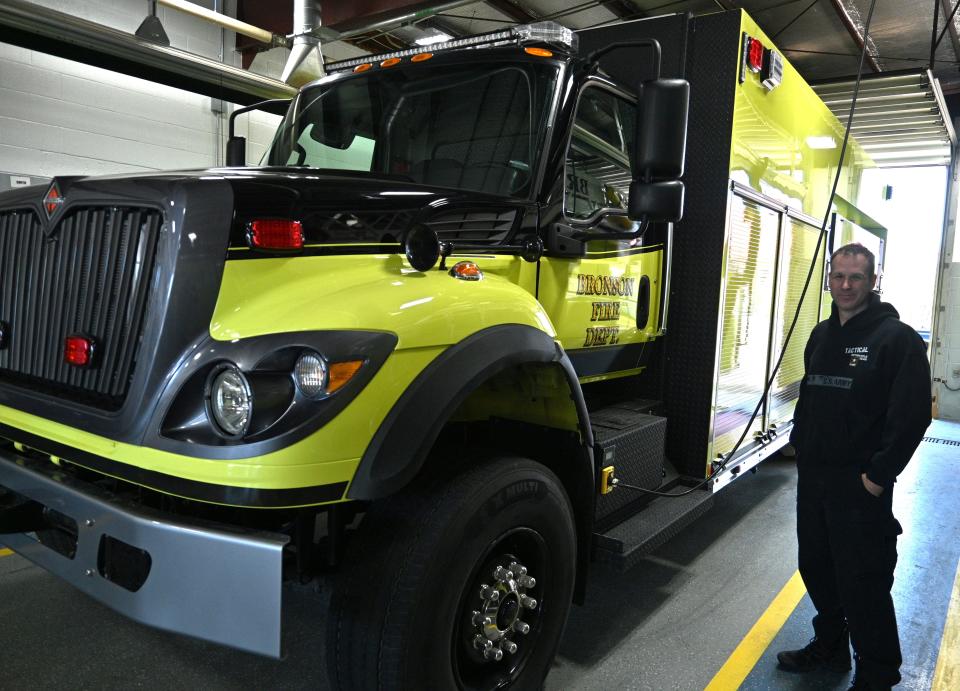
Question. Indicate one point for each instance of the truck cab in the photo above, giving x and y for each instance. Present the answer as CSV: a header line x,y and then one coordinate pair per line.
x,y
415,351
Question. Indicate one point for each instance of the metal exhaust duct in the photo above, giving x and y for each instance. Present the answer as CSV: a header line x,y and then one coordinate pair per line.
x,y
305,62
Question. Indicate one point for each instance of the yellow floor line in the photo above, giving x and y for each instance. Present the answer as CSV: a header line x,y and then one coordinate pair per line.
x,y
5,552
947,674
745,657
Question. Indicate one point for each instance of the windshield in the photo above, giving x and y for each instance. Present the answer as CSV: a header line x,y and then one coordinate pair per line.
x,y
473,127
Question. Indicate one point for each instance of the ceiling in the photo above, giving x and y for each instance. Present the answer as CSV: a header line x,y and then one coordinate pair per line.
x,y
818,36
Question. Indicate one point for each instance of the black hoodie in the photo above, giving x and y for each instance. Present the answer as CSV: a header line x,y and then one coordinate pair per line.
x,y
865,399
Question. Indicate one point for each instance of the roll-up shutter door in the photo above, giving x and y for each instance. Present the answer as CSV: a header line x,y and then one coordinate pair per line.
x,y
747,303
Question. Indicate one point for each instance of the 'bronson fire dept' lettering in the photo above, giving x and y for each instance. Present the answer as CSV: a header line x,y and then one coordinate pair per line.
x,y
604,285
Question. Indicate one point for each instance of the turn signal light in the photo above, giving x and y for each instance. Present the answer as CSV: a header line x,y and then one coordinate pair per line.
x,y
78,350
275,234
342,372
466,271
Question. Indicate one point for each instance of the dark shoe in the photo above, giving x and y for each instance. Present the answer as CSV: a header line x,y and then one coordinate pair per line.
x,y
814,656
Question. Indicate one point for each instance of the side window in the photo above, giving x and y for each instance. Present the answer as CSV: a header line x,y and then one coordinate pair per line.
x,y
598,160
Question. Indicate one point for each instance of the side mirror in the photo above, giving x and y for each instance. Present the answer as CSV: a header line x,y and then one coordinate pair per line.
x,y
661,137
659,202
236,151
237,146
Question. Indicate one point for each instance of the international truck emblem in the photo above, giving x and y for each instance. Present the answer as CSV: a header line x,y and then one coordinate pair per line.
x,y
53,200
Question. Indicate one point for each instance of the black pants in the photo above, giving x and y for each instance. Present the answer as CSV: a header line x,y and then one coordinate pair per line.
x,y
848,550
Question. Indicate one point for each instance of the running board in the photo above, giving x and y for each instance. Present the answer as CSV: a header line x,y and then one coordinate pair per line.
x,y
661,519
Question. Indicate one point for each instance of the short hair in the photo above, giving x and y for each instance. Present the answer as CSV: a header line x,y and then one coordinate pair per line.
x,y
854,249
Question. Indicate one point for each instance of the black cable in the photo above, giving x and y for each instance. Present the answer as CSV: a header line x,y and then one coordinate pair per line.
x,y
796,317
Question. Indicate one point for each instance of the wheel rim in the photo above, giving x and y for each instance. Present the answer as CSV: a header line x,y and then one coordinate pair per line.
x,y
501,611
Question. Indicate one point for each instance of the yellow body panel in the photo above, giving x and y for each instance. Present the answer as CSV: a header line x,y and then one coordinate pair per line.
x,y
771,139
593,301
377,292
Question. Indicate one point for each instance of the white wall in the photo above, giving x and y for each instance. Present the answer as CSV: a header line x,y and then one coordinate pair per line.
x,y
59,117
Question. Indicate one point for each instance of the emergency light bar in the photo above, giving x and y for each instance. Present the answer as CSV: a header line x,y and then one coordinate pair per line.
x,y
551,33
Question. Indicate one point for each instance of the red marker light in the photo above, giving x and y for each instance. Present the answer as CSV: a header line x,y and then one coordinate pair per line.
x,y
754,54
275,234
78,350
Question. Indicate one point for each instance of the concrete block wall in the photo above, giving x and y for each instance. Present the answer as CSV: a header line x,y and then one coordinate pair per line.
x,y
59,117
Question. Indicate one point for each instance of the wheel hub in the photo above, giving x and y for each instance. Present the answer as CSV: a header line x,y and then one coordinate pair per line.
x,y
502,606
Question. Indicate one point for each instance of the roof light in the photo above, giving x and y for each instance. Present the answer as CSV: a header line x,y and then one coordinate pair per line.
x,y
389,62
275,234
552,33
539,52
362,67
79,350
436,37
420,57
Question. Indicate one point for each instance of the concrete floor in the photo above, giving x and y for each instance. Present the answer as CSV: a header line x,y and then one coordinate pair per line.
x,y
670,623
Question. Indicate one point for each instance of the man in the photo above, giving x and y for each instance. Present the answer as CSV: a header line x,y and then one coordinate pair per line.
x,y
863,408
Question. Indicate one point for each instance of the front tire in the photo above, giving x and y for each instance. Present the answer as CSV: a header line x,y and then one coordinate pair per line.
x,y
462,585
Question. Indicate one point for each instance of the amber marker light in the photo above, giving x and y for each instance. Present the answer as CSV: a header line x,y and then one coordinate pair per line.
x,y
363,67
342,372
420,57
390,62
466,271
539,52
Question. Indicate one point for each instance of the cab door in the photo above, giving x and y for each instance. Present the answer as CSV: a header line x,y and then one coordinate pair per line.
x,y
603,303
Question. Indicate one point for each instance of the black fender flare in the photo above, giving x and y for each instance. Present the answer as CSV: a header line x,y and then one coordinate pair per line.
x,y
400,446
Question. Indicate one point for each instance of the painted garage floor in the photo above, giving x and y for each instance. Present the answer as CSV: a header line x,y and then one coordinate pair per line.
x,y
708,609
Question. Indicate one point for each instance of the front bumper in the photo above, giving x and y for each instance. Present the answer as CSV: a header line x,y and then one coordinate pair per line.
x,y
211,581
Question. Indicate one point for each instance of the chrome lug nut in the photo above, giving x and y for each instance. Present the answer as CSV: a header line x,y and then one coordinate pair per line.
x,y
527,581
503,575
494,654
478,641
476,618
488,593
521,627
528,602
488,621
510,647
518,569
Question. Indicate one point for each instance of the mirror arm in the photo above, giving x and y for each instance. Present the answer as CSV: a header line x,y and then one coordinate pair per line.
x,y
653,43
247,109
606,235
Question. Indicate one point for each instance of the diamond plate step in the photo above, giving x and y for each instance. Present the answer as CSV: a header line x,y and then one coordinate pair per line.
x,y
661,519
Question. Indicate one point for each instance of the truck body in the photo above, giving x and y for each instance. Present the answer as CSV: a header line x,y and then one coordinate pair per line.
x,y
419,347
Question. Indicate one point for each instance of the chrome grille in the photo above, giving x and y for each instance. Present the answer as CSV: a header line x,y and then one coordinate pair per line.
x,y
90,277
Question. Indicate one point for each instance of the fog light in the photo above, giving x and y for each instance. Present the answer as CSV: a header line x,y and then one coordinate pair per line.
x,y
231,402
310,373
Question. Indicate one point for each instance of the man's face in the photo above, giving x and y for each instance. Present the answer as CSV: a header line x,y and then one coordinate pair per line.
x,y
850,283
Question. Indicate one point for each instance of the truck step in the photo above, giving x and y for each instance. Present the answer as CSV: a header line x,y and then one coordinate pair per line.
x,y
661,519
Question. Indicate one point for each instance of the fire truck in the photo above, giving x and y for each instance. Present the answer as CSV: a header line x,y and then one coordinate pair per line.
x,y
486,313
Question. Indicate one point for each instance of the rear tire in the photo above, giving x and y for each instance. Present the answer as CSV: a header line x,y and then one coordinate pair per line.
x,y
409,610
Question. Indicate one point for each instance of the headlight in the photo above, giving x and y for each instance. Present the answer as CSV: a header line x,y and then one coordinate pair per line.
x,y
310,373
231,402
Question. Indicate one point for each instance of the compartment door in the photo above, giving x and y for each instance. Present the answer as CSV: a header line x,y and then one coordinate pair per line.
x,y
746,310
